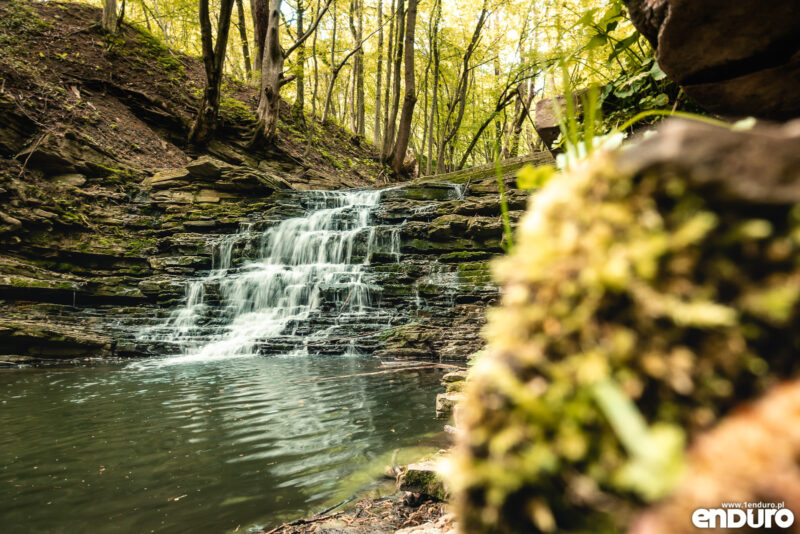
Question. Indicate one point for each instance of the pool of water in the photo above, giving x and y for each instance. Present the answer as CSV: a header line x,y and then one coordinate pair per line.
x,y
198,446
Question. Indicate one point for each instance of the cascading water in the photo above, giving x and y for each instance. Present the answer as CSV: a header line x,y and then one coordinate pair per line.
x,y
303,287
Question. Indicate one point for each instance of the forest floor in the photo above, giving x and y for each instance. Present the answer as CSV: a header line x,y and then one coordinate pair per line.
x,y
132,98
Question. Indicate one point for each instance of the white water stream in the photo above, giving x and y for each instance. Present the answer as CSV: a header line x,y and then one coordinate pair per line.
x,y
302,265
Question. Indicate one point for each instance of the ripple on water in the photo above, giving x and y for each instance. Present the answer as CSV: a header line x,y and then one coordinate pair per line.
x,y
114,449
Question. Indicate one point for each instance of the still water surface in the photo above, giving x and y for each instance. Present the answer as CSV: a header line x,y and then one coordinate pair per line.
x,y
200,446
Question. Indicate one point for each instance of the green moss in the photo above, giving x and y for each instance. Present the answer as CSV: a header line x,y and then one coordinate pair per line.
x,y
150,46
425,482
626,293
235,110
21,17
34,283
464,255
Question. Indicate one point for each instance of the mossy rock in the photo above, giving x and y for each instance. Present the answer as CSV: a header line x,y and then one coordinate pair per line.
x,y
667,273
423,478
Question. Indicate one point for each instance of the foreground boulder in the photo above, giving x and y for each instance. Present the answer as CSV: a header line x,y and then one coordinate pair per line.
x,y
424,479
762,439
734,58
649,293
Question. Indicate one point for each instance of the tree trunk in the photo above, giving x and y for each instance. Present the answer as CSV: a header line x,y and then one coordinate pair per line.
x,y
300,68
329,92
109,22
312,123
519,121
376,133
389,51
425,108
351,94
433,37
410,100
248,66
213,61
271,71
388,141
347,106
258,10
360,111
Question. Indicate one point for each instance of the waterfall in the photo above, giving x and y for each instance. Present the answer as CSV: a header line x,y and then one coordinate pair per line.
x,y
305,284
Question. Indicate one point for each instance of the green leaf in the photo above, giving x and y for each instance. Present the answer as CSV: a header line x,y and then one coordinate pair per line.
x,y
624,45
530,177
655,454
587,18
661,100
614,12
596,42
629,89
656,73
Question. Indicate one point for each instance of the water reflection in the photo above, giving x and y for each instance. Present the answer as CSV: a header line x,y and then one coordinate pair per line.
x,y
206,446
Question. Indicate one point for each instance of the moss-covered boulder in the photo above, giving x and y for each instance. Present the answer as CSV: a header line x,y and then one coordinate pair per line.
x,y
423,478
650,291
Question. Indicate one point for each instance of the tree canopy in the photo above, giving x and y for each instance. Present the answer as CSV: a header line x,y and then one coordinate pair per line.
x,y
476,69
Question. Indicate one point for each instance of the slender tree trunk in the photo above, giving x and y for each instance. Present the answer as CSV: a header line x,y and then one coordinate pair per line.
x,y
376,132
315,93
433,38
300,68
347,106
121,15
329,92
425,108
213,61
498,127
351,94
312,124
109,21
389,51
248,66
388,141
360,111
410,99
524,111
146,18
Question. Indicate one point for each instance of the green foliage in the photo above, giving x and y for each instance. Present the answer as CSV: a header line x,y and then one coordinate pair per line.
x,y
237,111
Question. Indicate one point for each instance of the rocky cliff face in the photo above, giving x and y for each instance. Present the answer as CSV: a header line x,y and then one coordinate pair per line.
x,y
80,283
